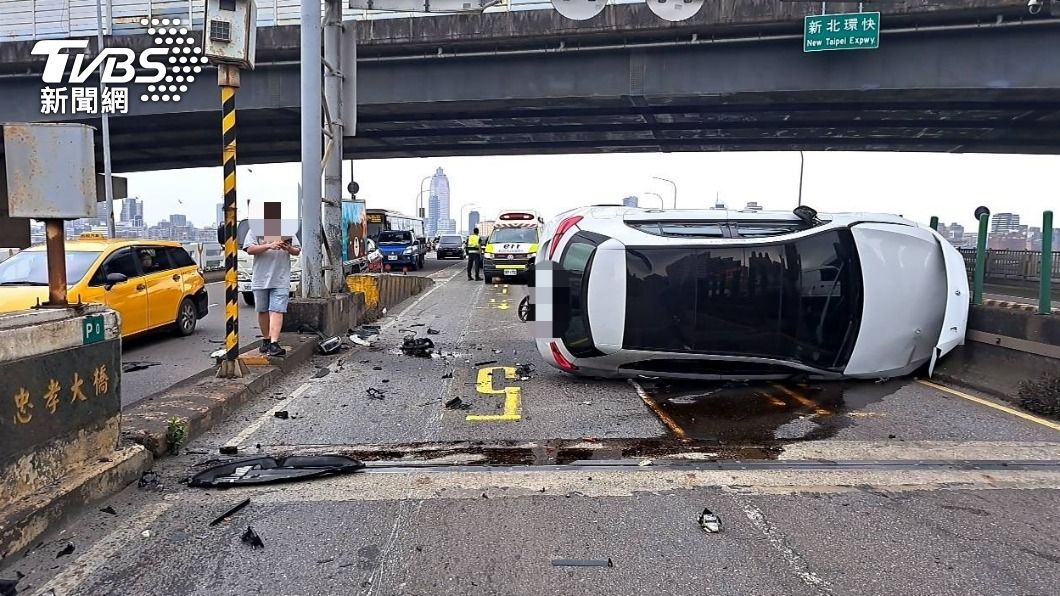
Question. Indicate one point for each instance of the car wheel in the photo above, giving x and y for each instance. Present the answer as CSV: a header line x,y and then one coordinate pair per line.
x,y
186,319
248,298
487,278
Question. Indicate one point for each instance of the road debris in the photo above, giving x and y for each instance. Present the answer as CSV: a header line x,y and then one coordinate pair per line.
x,y
485,362
9,587
109,510
645,462
523,371
457,404
364,335
150,480
227,514
448,375
709,522
420,347
270,470
282,414
323,371
377,368
228,450
583,562
146,533
374,393
135,365
66,550
251,537
431,331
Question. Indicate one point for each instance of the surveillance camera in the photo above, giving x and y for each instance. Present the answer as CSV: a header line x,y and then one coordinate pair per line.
x,y
1034,6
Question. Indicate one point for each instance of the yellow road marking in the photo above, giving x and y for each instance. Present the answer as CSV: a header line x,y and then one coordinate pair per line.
x,y
774,400
805,401
662,414
512,396
991,404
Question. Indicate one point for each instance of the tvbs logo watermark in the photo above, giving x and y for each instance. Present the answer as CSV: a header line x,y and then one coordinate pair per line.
x,y
163,72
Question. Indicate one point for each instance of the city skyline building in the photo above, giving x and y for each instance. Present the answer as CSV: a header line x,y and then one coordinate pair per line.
x,y
438,220
473,217
631,201
1003,223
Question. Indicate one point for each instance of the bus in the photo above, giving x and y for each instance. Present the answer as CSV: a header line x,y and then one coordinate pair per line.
x,y
399,238
512,245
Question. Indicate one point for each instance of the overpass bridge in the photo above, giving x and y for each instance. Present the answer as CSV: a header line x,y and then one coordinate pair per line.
x,y
951,76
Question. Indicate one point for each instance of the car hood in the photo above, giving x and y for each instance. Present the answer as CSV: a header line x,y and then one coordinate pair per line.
x,y
14,298
904,282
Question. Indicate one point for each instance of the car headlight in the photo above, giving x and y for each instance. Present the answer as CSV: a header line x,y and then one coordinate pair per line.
x,y
408,250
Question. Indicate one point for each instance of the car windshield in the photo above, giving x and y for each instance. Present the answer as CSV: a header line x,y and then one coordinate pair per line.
x,y
799,301
390,237
452,240
514,236
30,267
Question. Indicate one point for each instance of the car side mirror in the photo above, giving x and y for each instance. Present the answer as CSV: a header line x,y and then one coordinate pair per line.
x,y
115,278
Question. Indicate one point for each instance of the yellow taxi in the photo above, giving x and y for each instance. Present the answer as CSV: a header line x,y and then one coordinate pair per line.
x,y
151,283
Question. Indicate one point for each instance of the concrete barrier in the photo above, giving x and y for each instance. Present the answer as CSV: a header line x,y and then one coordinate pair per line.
x,y
1008,353
60,412
386,290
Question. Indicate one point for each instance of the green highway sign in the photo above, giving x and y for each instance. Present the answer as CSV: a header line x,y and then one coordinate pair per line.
x,y
93,329
850,31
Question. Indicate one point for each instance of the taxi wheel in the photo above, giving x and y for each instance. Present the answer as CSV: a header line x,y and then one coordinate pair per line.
x,y
186,319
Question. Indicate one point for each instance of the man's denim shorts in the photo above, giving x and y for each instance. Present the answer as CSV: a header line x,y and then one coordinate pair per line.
x,y
271,300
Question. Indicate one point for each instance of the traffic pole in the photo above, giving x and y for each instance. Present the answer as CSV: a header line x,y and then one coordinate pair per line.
x,y
1045,306
980,259
228,80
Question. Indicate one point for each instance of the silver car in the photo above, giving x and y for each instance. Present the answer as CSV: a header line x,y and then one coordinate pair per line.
x,y
721,294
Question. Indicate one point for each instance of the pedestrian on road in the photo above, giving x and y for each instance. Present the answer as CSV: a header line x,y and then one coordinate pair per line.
x,y
271,278
473,247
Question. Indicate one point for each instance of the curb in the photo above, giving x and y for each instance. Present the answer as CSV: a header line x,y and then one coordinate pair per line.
x,y
202,400
23,523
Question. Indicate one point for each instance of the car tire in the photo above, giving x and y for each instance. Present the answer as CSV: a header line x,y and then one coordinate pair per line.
x,y
248,298
487,278
186,320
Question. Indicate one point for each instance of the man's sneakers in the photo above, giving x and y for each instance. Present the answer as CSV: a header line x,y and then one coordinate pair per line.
x,y
272,349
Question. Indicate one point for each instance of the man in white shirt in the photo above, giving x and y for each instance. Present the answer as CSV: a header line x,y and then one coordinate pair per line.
x,y
271,278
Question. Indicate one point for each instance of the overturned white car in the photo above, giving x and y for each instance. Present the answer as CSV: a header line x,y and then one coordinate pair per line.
x,y
716,294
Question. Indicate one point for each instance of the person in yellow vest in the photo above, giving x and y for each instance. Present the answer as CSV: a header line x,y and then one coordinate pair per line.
x,y
473,246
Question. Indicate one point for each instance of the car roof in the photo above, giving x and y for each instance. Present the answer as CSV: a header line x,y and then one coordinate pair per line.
x,y
102,244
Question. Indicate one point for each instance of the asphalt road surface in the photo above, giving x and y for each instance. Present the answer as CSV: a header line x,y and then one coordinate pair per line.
x,y
899,487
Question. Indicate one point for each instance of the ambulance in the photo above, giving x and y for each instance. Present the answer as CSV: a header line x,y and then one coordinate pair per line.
x,y
512,245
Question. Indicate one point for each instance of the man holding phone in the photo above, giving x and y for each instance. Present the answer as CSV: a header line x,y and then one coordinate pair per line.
x,y
271,277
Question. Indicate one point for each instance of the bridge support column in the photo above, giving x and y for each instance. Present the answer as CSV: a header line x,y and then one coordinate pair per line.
x,y
333,110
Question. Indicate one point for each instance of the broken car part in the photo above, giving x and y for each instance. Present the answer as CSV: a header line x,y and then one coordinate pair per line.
x,y
251,537
457,404
282,414
69,548
709,522
230,512
268,470
374,393
419,347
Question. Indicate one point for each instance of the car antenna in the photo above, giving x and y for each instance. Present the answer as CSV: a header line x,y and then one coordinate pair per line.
x,y
806,214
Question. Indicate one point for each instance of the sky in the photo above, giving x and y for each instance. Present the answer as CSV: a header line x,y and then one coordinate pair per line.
x,y
915,185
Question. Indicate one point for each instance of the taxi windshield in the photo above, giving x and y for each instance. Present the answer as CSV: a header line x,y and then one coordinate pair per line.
x,y
514,235
30,268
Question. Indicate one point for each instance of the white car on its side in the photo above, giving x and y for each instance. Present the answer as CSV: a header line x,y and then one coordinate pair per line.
x,y
722,294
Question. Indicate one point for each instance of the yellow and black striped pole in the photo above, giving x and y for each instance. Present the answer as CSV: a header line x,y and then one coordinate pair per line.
x,y
230,367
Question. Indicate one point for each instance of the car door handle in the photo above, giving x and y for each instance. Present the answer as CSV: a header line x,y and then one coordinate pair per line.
x,y
141,287
176,277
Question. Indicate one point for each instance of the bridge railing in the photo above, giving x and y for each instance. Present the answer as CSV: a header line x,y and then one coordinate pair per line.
x,y
1013,265
53,19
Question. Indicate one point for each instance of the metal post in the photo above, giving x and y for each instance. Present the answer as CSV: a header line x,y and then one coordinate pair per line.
x,y
228,79
934,223
55,239
1045,295
980,259
108,183
312,275
802,164
419,199
333,163
673,184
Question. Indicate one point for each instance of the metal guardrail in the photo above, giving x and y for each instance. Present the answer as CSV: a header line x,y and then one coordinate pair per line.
x,y
22,20
1015,265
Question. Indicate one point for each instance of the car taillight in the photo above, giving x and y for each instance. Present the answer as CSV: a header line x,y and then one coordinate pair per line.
x,y
560,359
564,226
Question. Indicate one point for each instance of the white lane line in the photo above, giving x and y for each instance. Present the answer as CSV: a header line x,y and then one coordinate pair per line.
x,y
102,554
409,308
244,434
792,558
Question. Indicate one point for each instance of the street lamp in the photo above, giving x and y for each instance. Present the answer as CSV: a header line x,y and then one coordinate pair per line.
x,y
657,196
419,198
672,183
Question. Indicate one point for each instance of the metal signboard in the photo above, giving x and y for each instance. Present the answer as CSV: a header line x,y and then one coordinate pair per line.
x,y
849,31
51,171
